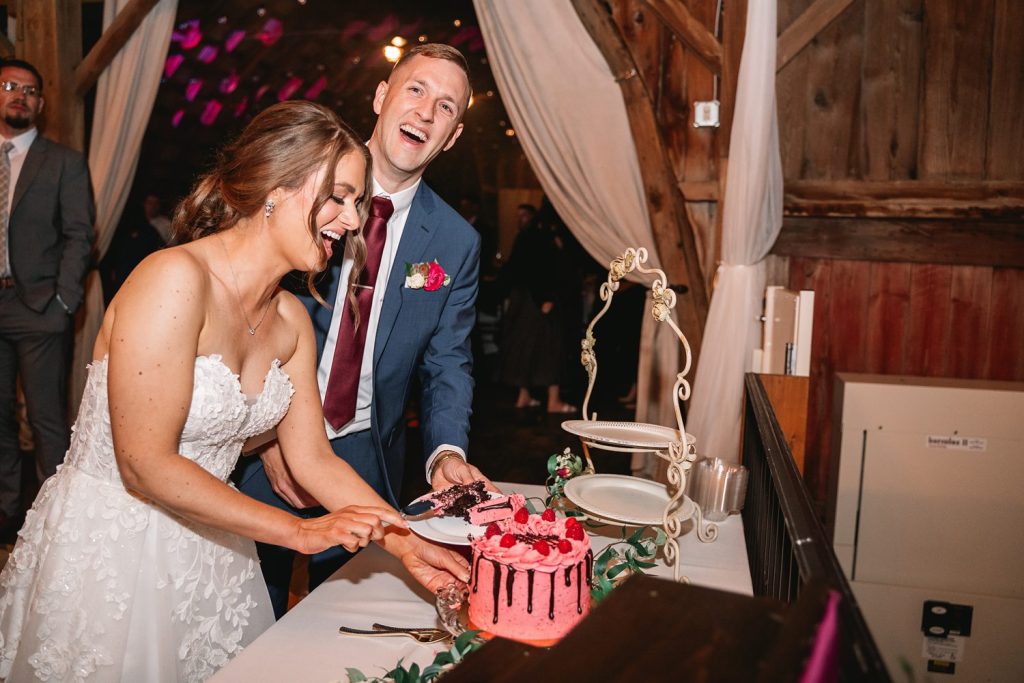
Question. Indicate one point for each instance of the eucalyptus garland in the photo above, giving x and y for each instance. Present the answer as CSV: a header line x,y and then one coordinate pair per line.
x,y
464,644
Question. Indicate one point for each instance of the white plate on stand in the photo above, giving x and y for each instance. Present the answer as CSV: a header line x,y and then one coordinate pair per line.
x,y
640,435
624,500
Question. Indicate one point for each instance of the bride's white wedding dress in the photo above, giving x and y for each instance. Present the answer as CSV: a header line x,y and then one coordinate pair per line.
x,y
106,586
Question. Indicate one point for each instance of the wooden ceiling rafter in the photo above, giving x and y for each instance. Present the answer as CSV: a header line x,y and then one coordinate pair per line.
x,y
673,232
110,43
804,28
688,29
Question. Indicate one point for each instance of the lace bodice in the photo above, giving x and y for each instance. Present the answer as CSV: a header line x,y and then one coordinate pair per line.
x,y
220,419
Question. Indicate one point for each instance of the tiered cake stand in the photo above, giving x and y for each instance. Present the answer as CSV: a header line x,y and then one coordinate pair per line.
x,y
673,445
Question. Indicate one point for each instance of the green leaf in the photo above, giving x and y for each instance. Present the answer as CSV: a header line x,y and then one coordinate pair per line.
x,y
552,465
414,673
467,637
443,658
660,537
617,569
646,565
355,676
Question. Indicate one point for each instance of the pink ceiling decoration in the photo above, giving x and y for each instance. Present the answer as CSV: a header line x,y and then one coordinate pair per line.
x,y
314,90
383,30
261,92
177,117
233,40
210,113
354,29
172,64
193,88
188,34
229,83
207,54
242,105
289,88
271,32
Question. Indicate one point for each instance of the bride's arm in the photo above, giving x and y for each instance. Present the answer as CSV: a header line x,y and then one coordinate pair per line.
x,y
330,479
152,344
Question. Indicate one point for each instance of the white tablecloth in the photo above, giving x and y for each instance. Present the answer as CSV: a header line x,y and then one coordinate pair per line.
x,y
305,646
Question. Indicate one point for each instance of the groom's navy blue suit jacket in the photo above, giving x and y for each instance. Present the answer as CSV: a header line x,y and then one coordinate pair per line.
x,y
419,333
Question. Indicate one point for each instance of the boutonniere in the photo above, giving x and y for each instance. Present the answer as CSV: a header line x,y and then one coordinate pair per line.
x,y
427,276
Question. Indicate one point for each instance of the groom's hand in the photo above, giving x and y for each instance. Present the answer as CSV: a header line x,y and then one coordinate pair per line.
x,y
454,470
433,566
281,479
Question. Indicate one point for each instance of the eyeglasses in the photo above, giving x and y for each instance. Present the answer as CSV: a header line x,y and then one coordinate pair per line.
x,y
11,86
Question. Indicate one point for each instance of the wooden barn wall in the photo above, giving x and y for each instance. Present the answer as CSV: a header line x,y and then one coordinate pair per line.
x,y
925,90
906,90
892,90
675,77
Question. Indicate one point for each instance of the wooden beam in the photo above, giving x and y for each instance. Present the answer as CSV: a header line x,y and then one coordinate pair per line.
x,y
673,234
803,29
50,37
699,190
6,46
689,30
110,43
906,199
975,243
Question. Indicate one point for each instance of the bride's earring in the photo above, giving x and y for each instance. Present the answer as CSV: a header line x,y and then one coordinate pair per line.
x,y
268,208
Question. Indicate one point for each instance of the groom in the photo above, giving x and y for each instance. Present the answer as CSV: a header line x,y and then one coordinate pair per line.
x,y
416,302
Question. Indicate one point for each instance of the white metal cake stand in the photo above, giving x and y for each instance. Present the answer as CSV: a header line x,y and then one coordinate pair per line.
x,y
672,445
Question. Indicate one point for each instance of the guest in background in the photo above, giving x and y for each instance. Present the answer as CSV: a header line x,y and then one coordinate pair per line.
x,y
136,238
46,234
156,218
537,278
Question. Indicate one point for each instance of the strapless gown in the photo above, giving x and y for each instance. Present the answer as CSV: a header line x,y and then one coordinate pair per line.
x,y
104,585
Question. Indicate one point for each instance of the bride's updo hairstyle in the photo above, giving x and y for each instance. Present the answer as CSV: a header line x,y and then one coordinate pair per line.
x,y
280,148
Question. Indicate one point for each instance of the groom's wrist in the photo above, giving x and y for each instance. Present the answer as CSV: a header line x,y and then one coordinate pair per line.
x,y
437,458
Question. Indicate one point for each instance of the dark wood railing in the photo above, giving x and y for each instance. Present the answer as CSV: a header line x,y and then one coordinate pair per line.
x,y
787,546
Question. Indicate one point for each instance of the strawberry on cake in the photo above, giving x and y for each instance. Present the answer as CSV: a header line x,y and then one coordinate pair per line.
x,y
531,577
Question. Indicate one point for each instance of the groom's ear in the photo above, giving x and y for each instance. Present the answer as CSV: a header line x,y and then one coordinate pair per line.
x,y
378,97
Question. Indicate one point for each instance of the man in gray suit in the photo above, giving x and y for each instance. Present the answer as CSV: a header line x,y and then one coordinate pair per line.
x,y
46,233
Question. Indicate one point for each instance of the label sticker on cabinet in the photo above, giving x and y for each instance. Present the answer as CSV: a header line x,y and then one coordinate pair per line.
x,y
948,649
957,443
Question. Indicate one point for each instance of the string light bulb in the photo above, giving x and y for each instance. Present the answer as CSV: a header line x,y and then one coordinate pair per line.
x,y
392,53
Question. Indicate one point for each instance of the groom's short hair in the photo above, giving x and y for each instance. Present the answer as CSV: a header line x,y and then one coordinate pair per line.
x,y
439,51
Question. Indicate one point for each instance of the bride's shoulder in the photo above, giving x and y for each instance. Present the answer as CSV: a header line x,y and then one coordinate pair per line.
x,y
174,267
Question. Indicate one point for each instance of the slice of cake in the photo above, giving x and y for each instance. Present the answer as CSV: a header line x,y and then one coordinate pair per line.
x,y
496,509
456,500
531,577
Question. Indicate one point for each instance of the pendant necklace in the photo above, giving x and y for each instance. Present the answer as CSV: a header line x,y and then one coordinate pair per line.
x,y
238,294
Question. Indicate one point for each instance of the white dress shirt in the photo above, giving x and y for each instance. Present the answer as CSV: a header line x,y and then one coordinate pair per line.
x,y
17,157
402,201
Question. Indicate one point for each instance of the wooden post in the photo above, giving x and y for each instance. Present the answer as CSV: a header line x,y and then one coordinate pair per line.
x,y
50,37
673,234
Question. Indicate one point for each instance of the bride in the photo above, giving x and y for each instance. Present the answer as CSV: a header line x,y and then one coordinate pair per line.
x,y
136,561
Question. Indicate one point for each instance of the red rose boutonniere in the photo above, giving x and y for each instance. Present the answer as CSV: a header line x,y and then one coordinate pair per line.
x,y
426,276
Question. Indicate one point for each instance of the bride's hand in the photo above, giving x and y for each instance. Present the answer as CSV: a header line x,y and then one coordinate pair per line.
x,y
352,527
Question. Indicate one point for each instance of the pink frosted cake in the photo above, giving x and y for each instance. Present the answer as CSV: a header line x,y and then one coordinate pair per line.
x,y
530,578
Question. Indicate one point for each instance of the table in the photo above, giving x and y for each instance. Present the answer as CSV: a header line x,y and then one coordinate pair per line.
x,y
305,646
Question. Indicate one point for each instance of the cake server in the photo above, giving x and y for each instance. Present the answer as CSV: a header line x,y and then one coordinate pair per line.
x,y
420,509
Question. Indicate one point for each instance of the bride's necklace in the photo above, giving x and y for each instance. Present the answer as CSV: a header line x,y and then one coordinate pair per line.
x,y
238,294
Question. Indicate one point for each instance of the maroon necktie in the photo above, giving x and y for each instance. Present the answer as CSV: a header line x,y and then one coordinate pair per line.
x,y
343,385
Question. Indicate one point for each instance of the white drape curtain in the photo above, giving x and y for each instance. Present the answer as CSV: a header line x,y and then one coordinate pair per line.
x,y
750,224
125,95
571,121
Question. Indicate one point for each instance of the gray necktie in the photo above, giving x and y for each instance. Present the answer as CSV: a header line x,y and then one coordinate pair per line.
x,y
5,191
